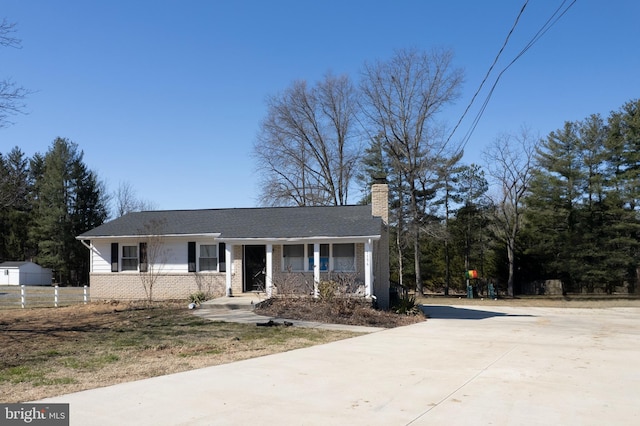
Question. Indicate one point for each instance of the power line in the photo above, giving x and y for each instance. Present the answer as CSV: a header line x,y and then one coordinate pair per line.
x,y
553,19
484,80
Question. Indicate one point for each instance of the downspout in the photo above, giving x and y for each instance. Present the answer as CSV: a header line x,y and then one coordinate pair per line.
x,y
86,245
91,251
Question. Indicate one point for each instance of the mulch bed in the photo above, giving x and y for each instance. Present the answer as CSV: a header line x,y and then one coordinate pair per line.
x,y
349,311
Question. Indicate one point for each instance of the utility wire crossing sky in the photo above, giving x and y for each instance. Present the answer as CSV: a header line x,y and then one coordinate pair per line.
x,y
169,96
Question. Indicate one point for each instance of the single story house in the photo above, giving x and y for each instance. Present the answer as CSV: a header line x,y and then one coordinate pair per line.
x,y
24,273
231,251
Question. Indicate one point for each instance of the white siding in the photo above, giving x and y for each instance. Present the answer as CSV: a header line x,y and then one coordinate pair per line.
x,y
27,273
101,256
173,257
9,276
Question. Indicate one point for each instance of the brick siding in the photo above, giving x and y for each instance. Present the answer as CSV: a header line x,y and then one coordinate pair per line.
x,y
168,287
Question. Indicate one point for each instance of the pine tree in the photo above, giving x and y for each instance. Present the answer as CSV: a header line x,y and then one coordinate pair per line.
x,y
68,201
14,200
471,219
552,205
622,181
373,167
623,142
377,164
88,210
448,173
590,216
582,217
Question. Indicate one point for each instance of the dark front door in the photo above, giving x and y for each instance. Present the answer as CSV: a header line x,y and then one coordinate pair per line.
x,y
255,262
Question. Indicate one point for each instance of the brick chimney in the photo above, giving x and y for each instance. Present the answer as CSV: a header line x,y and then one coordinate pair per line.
x,y
380,200
380,208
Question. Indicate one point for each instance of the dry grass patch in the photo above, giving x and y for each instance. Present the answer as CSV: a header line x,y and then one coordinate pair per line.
x,y
47,351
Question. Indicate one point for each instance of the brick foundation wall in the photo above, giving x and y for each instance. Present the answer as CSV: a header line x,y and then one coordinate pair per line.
x,y
170,286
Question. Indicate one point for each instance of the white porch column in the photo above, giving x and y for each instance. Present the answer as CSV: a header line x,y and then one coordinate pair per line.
x,y
316,269
268,276
229,260
368,268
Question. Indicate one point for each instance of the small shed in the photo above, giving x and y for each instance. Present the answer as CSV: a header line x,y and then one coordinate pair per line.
x,y
24,273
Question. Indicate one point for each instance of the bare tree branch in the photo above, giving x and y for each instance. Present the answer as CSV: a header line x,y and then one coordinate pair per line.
x,y
153,255
510,163
307,146
7,29
127,201
11,95
402,98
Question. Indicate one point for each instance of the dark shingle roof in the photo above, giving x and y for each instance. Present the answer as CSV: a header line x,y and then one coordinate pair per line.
x,y
13,264
273,222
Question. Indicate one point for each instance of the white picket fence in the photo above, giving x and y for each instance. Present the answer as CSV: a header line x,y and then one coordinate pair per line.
x,y
39,296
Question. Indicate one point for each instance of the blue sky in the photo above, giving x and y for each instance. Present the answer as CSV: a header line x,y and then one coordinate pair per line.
x,y
169,95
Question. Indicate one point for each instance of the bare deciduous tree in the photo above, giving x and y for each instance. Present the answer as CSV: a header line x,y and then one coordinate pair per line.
x,y
402,98
127,201
510,163
153,255
307,148
11,95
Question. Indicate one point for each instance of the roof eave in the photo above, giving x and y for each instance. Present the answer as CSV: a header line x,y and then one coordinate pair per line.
x,y
347,238
237,240
104,237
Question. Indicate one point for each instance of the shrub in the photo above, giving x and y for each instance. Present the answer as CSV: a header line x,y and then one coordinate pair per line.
x,y
197,297
327,290
406,304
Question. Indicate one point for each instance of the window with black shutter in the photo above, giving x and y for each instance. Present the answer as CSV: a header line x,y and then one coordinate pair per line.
x,y
144,265
222,257
191,256
208,260
114,257
130,258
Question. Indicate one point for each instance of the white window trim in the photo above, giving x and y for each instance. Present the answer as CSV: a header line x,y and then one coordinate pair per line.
x,y
122,258
307,254
304,258
332,259
198,256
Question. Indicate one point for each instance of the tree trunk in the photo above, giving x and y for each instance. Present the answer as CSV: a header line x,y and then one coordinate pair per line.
x,y
511,258
415,233
416,257
447,274
400,265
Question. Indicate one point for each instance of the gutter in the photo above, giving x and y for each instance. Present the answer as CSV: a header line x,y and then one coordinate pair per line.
x,y
141,236
84,243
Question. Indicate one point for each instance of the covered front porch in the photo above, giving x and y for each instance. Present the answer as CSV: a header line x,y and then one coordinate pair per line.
x,y
269,266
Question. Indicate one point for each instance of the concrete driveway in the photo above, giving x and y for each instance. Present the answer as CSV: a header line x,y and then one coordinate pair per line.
x,y
464,366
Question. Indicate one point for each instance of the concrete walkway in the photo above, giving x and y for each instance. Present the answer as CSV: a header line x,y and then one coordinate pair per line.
x,y
240,309
465,366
